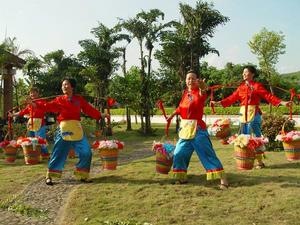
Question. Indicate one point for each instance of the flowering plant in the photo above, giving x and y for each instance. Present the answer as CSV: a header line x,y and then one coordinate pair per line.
x,y
218,125
108,144
247,141
166,149
25,141
288,137
6,143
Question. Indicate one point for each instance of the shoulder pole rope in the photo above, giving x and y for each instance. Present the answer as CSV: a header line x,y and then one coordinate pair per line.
x,y
217,86
160,105
293,94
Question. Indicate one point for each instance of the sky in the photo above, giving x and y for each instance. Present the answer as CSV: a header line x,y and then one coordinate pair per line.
x,y
44,26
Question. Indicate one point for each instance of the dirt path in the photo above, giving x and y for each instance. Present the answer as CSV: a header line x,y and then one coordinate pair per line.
x,y
47,201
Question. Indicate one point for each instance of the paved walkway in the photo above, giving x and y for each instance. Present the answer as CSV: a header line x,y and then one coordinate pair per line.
x,y
208,119
51,199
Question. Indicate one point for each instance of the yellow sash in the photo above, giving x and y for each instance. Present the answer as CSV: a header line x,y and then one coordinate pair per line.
x,y
250,114
71,130
187,129
37,123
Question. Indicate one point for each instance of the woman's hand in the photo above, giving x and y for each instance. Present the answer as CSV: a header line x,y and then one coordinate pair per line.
x,y
10,114
202,85
105,115
215,103
287,104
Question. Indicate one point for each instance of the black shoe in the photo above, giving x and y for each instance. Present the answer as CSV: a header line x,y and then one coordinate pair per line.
x,y
179,182
86,180
49,181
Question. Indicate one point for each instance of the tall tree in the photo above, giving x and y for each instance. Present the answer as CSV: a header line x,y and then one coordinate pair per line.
x,y
267,46
146,28
126,90
199,25
32,69
56,66
100,57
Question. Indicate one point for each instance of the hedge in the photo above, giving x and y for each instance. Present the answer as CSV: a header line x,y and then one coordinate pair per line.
x,y
233,110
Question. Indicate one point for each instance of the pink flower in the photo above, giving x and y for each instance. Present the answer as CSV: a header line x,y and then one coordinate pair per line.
x,y
288,137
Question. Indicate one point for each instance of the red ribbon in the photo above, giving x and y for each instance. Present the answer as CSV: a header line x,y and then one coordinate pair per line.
x,y
9,126
160,105
293,94
31,116
212,89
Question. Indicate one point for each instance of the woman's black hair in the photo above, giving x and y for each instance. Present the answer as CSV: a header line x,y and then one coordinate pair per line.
x,y
194,72
72,81
33,89
251,68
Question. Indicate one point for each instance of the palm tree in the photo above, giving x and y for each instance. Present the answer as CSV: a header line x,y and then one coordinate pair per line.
x,y
147,30
100,58
199,25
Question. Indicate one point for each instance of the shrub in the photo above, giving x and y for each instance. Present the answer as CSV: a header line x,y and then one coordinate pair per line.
x,y
272,124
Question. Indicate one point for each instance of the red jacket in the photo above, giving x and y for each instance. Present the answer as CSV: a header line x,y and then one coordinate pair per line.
x,y
256,92
191,106
37,112
70,109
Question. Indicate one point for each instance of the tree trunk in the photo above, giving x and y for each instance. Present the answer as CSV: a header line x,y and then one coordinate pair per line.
x,y
148,129
128,119
8,73
270,105
143,91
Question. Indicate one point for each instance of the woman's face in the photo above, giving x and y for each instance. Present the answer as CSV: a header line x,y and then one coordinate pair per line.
x,y
247,75
33,94
66,88
191,80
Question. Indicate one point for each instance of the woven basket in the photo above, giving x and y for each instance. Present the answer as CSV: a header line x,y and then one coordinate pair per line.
x,y
109,158
292,150
163,164
32,155
244,158
224,132
10,154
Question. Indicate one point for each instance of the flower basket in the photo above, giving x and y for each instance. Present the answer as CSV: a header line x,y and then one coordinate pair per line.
x,y
224,132
10,153
164,157
32,154
221,129
108,151
32,149
10,150
163,164
244,158
109,158
291,144
245,147
292,150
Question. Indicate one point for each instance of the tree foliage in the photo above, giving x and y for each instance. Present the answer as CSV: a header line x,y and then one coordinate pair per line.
x,y
100,57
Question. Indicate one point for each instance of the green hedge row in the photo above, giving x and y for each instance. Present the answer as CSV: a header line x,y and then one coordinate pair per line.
x,y
233,110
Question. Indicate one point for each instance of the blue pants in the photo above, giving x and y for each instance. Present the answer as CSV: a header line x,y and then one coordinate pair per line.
x,y
60,153
255,126
41,133
206,154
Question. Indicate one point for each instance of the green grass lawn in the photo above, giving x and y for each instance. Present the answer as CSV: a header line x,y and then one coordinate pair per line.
x,y
136,194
